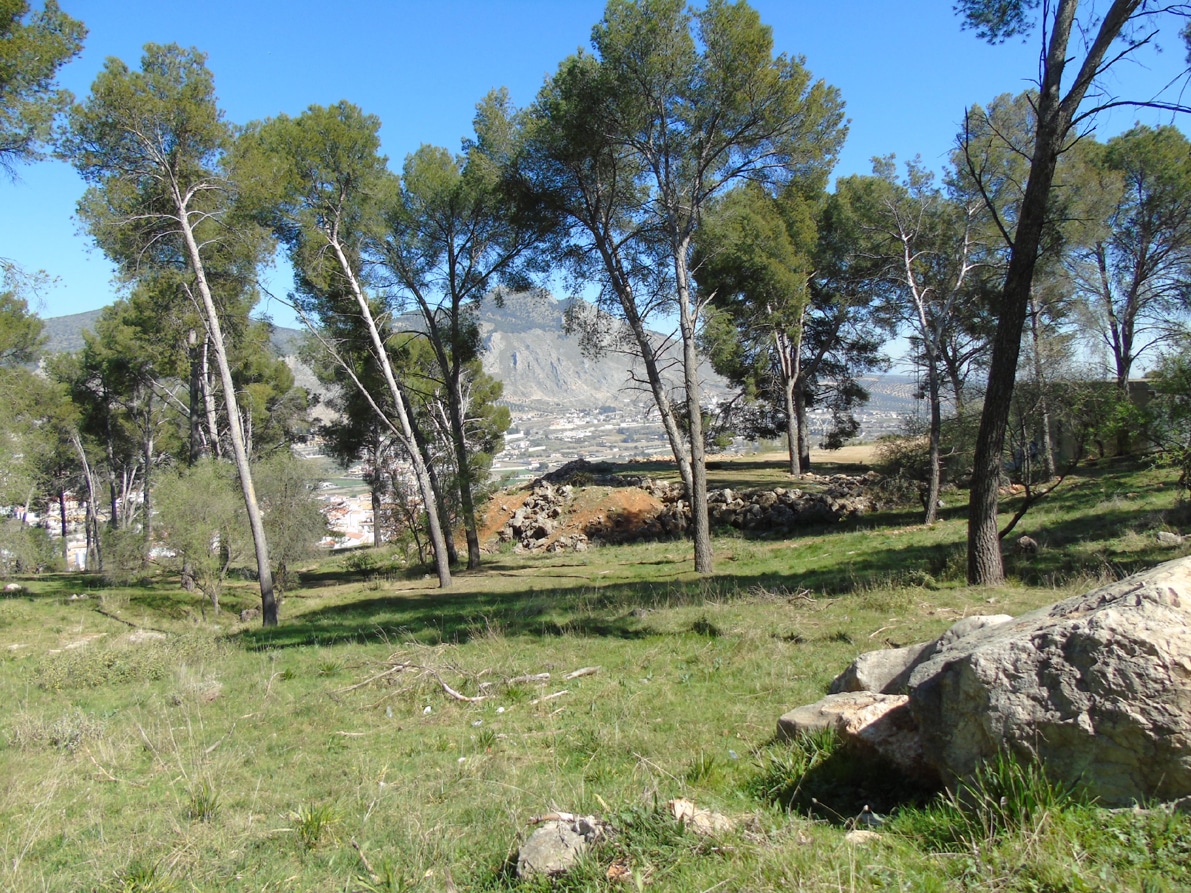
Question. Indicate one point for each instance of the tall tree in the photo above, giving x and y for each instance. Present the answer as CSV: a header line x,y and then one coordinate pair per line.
x,y
150,144
455,233
1108,37
923,246
754,254
33,46
695,101
578,168
320,181
1133,264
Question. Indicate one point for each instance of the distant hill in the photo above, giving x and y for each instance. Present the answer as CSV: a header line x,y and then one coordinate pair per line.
x,y
64,334
525,346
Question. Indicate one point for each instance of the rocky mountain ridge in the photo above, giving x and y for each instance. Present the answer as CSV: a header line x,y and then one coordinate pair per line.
x,y
542,367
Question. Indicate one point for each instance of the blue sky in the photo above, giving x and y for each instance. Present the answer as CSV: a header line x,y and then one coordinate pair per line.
x,y
905,70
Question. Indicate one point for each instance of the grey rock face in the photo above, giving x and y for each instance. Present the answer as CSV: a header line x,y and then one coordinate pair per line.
x,y
1097,686
888,671
556,845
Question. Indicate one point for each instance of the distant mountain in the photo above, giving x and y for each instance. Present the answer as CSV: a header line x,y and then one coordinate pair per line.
x,y
64,334
526,347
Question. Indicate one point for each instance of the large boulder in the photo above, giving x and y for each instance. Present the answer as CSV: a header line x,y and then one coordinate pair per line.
x,y
888,671
1098,687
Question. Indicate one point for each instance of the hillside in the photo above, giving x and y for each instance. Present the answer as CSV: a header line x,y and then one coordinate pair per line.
x,y
543,369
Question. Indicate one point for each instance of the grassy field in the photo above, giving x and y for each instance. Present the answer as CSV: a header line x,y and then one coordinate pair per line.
x,y
145,747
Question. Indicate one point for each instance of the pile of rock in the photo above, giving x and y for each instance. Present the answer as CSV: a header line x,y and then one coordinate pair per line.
x,y
1096,687
538,517
781,510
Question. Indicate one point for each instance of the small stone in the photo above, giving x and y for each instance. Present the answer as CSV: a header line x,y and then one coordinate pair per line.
x,y
1026,545
861,837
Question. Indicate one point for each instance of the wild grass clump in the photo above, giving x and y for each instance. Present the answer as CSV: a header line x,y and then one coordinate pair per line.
x,y
105,663
314,823
1005,796
202,802
66,732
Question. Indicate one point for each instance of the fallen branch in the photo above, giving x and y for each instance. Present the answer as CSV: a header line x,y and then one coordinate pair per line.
x,y
378,676
454,694
529,677
584,671
557,694
371,874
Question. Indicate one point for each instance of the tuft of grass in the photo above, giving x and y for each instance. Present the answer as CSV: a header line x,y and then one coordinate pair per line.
x,y
1006,796
313,822
143,877
203,802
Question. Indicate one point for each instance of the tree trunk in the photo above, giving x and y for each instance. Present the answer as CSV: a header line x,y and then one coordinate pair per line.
x,y
62,518
456,410
240,454
935,461
661,395
444,519
1048,453
792,444
1054,117
91,523
804,431
216,447
196,445
438,540
375,490
700,520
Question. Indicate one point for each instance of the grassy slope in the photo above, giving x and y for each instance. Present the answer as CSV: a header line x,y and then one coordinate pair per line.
x,y
233,758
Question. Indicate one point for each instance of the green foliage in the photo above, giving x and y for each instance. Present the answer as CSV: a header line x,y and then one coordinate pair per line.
x,y
203,802
34,44
99,664
201,521
1005,796
26,550
125,555
20,331
314,822
143,877
294,523
1169,413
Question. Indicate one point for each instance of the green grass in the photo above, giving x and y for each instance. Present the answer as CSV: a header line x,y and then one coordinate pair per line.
x,y
226,757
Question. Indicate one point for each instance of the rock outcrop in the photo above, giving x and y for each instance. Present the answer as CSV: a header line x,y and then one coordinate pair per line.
x,y
1096,687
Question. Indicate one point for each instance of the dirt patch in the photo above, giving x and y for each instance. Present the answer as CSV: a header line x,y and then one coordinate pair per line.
x,y
604,513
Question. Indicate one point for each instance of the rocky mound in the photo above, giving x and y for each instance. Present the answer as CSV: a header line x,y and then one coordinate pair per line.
x,y
583,503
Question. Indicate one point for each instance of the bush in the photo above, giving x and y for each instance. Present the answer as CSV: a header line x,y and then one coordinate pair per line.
x,y
27,550
124,555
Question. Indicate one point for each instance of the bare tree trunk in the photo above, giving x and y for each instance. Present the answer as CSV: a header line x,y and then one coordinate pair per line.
x,y
1055,114
792,443
1048,453
804,430
216,447
92,520
661,395
444,519
62,518
455,409
437,538
240,453
936,432
196,447
700,519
